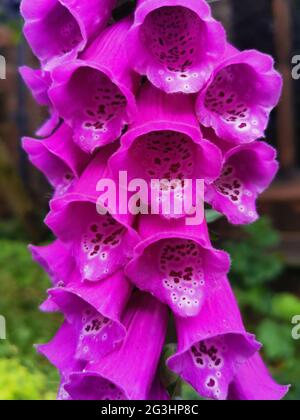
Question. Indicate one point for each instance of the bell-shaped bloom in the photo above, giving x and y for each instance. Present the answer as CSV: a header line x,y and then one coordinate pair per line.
x,y
176,263
100,242
248,170
239,97
94,311
95,94
253,382
56,260
128,372
175,43
60,352
60,29
39,82
165,145
213,346
58,158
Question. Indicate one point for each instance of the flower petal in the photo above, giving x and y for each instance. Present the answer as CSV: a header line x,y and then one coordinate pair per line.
x,y
165,144
39,82
56,29
214,345
95,95
253,382
100,243
94,311
58,158
248,171
56,260
176,263
241,93
118,376
60,352
175,43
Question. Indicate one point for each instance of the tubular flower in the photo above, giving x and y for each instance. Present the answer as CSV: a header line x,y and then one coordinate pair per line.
x,y
165,143
94,311
253,382
177,264
132,161
60,29
176,43
248,170
118,376
95,94
39,82
60,351
58,158
239,97
213,346
100,243
56,260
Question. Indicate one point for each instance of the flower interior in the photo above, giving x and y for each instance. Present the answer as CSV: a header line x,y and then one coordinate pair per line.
x,y
174,38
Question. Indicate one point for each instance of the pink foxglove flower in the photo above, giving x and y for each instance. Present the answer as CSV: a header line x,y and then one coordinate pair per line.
x,y
177,264
175,43
128,372
213,346
110,344
253,382
95,94
60,29
95,312
248,170
39,83
100,243
60,352
56,260
239,97
165,143
58,158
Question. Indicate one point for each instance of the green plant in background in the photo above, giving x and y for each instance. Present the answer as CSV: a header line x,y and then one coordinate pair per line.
x,y
23,373
18,382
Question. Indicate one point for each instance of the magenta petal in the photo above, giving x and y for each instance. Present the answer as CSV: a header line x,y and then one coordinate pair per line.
x,y
213,346
177,264
94,311
127,373
175,43
56,29
95,95
58,157
248,171
165,143
56,260
39,82
60,351
101,244
238,100
253,382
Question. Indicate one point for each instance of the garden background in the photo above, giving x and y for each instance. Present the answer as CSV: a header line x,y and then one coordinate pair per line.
x,y
266,255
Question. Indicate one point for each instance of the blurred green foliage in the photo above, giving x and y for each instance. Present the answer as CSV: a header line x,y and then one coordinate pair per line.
x,y
256,273
23,373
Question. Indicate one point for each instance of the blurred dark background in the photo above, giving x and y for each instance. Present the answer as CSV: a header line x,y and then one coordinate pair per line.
x,y
266,255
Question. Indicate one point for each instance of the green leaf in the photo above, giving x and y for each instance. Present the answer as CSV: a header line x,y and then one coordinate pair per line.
x,y
212,216
285,306
277,340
